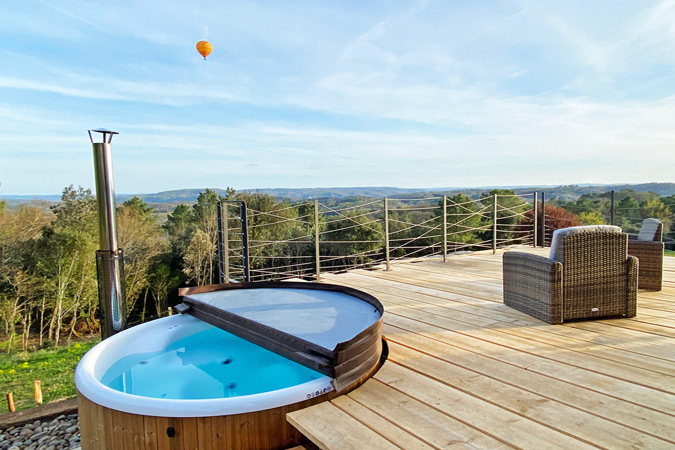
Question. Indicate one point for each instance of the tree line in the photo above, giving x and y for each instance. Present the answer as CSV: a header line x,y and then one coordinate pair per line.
x,y
48,288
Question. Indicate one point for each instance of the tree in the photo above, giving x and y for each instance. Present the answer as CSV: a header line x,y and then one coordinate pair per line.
x,y
657,209
628,214
591,218
143,242
162,281
64,259
179,228
556,218
198,262
464,221
139,208
182,226
669,202
357,238
272,220
19,289
510,211
205,214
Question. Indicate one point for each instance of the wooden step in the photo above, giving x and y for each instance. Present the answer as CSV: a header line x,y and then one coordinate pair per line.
x,y
331,428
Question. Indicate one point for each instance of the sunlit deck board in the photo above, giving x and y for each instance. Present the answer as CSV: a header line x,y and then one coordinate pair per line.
x,y
467,371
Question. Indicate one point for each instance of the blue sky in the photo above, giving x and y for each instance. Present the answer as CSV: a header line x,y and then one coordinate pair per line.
x,y
337,93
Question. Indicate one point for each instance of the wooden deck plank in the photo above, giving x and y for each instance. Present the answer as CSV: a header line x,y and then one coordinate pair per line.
x,y
490,419
417,418
331,428
384,427
544,410
541,334
467,371
644,387
530,330
591,358
462,367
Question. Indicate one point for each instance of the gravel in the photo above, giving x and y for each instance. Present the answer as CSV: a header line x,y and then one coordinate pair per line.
x,y
58,434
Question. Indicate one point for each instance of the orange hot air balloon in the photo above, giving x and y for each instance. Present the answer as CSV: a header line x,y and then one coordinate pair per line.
x,y
204,48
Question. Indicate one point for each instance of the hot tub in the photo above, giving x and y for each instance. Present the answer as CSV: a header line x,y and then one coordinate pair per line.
x,y
185,383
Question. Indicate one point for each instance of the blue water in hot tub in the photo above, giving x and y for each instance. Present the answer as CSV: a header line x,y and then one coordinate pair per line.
x,y
209,364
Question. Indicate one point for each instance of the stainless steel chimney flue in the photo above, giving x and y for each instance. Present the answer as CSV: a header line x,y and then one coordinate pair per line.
x,y
109,259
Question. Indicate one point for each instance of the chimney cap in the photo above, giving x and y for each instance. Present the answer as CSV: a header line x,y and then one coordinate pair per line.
x,y
104,132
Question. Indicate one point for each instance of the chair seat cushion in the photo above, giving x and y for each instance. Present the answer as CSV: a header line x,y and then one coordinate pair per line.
x,y
560,235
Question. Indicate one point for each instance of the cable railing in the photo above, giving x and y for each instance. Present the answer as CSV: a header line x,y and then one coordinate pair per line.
x,y
310,238
622,210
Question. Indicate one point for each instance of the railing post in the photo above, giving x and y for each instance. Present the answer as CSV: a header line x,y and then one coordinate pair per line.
x,y
534,216
317,254
445,228
611,207
386,233
543,219
223,244
494,223
244,241
221,264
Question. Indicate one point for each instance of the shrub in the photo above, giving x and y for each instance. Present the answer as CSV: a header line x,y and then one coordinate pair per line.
x,y
556,218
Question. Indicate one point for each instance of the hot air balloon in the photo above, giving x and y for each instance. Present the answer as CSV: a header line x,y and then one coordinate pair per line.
x,y
204,48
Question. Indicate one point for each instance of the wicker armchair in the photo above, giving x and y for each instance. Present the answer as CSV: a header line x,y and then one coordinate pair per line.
x,y
648,249
589,274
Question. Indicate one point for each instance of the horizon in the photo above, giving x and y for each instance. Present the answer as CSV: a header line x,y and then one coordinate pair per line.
x,y
413,190
402,93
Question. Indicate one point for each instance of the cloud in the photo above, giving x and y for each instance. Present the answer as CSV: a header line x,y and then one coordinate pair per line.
x,y
491,27
74,16
398,93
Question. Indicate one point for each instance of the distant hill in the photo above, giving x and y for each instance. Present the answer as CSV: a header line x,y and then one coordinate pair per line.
x,y
571,192
15,199
341,192
177,196
172,198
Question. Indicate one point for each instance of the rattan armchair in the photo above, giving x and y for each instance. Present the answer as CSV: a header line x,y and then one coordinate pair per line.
x,y
648,249
589,274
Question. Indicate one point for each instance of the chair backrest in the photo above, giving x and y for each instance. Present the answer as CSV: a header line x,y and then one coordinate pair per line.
x,y
651,230
595,269
559,237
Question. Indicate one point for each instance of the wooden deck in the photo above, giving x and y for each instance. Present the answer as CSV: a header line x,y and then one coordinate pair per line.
x,y
466,371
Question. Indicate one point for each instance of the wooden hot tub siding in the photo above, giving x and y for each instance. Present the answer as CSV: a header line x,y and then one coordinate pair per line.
x,y
350,364
102,428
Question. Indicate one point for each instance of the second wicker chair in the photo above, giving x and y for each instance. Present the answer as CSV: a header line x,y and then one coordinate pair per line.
x,y
648,249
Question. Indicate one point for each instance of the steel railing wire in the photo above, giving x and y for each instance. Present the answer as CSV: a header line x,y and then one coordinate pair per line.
x,y
281,243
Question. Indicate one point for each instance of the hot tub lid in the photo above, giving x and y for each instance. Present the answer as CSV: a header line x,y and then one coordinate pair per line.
x,y
321,317
333,329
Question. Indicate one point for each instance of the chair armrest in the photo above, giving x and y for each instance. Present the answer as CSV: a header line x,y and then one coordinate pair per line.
x,y
637,248
533,284
650,256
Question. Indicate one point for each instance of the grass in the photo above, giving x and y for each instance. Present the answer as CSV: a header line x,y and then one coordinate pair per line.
x,y
670,252
54,367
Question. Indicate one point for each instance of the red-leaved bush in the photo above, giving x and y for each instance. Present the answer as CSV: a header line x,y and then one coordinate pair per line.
x,y
556,218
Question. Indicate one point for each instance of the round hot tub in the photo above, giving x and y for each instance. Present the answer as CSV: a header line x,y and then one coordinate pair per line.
x,y
181,382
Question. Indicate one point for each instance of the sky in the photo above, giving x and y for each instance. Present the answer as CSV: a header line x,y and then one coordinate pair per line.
x,y
330,93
